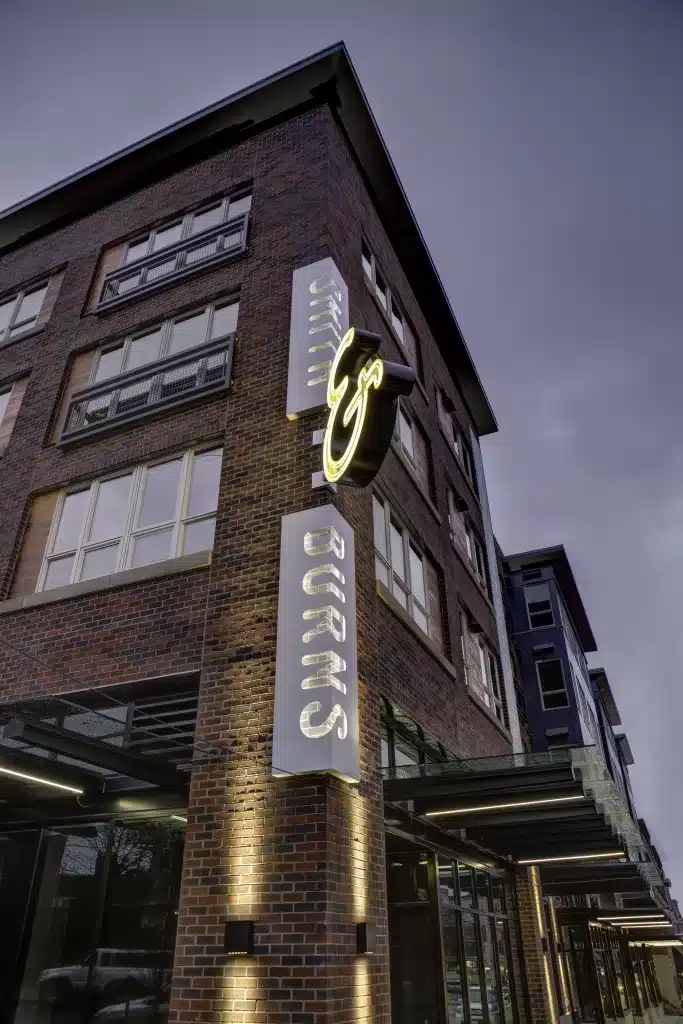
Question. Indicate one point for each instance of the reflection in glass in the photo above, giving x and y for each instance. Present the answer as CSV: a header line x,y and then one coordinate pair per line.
x,y
490,974
225,320
199,536
476,999
239,206
99,562
189,332
465,885
137,250
160,493
143,350
206,474
71,520
507,1011
103,932
109,364
207,219
167,236
151,547
111,508
58,572
452,946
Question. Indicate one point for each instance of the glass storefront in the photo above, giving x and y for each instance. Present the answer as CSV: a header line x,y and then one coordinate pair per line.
x,y
89,922
449,941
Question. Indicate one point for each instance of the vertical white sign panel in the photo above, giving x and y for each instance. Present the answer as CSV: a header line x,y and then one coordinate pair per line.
x,y
319,321
316,685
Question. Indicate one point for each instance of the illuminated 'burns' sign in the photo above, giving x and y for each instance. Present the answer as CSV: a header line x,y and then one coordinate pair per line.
x,y
362,394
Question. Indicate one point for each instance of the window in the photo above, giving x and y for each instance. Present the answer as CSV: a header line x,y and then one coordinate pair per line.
x,y
209,234
538,605
136,517
415,447
201,220
100,406
456,437
407,573
403,742
551,684
20,312
166,339
390,304
465,539
482,671
5,395
560,738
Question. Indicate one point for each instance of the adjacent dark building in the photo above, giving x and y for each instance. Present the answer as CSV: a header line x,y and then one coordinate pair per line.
x,y
569,709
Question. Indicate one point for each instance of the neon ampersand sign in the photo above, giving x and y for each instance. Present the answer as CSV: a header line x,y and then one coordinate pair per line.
x,y
362,394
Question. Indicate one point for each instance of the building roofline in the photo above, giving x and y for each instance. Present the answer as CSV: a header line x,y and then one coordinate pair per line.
x,y
325,77
557,558
599,678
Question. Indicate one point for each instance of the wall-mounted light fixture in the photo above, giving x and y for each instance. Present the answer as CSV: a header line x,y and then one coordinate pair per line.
x,y
365,938
239,938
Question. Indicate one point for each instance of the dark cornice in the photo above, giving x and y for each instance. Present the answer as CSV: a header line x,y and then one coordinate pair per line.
x,y
327,77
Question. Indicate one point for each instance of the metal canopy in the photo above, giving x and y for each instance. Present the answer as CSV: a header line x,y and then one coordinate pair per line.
x,y
525,807
92,748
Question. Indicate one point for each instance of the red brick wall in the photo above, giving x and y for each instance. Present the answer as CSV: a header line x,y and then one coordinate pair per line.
x,y
304,858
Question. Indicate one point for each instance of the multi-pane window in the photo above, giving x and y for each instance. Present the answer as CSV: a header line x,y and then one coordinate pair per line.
x,y
5,395
415,447
407,573
135,517
538,605
404,742
474,908
465,539
389,303
207,331
166,339
20,312
456,437
482,670
552,684
190,224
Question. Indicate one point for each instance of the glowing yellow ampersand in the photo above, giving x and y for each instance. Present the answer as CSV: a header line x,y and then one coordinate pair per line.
x,y
370,376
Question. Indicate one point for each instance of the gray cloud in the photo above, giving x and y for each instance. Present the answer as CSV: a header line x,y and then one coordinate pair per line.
x,y
540,143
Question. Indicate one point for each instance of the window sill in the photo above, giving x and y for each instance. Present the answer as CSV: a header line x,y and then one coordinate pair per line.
x,y
385,316
30,332
429,645
405,462
460,465
120,579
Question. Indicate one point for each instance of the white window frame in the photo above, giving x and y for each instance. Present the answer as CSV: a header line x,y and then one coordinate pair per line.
x,y
455,437
475,550
185,220
529,613
165,327
6,390
14,329
491,677
179,522
404,587
550,693
392,306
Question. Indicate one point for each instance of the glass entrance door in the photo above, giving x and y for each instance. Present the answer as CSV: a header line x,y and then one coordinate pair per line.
x,y
99,946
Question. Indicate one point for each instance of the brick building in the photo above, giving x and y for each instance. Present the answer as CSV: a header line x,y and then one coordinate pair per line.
x,y
155,861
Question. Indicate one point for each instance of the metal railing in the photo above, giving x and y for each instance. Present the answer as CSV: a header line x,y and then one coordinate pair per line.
x,y
190,254
145,391
499,763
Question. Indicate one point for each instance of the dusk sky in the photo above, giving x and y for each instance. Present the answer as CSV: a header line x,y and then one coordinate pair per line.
x,y
540,143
